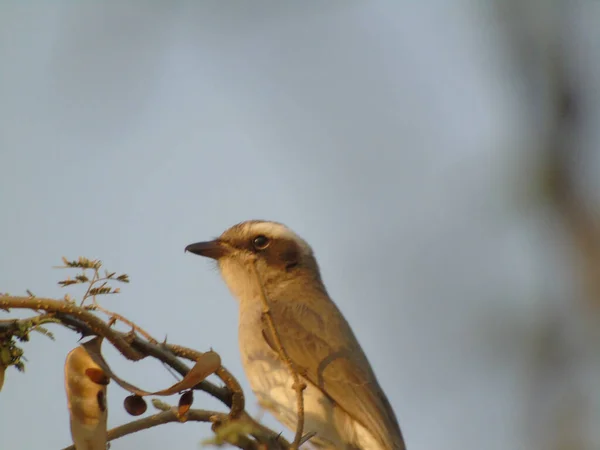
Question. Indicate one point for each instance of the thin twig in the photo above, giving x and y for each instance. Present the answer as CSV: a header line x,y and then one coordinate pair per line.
x,y
90,285
120,318
298,385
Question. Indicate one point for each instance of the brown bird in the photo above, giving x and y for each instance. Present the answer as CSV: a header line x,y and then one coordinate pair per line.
x,y
343,402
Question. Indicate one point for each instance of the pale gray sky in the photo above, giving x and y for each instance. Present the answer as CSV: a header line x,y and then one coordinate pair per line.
x,y
393,136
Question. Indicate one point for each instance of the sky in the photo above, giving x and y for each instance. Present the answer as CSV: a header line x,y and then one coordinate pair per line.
x,y
394,137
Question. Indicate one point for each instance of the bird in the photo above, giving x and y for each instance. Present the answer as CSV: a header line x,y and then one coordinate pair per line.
x,y
344,405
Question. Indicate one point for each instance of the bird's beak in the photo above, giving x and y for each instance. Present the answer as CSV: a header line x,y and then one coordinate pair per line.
x,y
211,249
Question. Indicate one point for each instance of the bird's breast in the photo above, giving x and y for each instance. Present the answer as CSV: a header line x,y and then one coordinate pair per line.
x,y
272,384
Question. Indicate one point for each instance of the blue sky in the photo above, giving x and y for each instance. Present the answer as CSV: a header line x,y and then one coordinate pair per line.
x,y
392,136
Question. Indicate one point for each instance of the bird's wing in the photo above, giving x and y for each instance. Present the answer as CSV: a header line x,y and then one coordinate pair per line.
x,y
325,351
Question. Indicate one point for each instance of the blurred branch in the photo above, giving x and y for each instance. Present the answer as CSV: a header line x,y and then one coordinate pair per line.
x,y
555,351
581,223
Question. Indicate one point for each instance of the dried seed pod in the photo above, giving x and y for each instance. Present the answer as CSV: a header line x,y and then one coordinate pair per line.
x,y
85,384
135,405
185,402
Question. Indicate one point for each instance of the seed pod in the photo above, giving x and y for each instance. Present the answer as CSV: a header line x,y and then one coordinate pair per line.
x,y
185,402
85,384
135,405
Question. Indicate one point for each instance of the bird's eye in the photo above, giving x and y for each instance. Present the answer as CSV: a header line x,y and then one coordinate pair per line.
x,y
261,242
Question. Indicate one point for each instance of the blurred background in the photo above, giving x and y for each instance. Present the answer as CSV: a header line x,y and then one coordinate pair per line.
x,y
441,158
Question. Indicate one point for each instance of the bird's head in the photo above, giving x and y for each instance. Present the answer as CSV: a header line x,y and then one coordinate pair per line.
x,y
279,256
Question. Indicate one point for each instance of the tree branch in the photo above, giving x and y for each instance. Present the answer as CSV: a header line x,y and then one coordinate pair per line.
x,y
97,325
133,347
171,416
159,352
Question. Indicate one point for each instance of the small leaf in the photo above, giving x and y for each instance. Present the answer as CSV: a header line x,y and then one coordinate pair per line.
x,y
124,278
100,290
82,278
135,405
44,331
84,262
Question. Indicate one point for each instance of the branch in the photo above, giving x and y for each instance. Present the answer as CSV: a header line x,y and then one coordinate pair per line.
x,y
298,385
97,325
171,416
115,316
85,322
14,325
237,403
84,325
163,354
